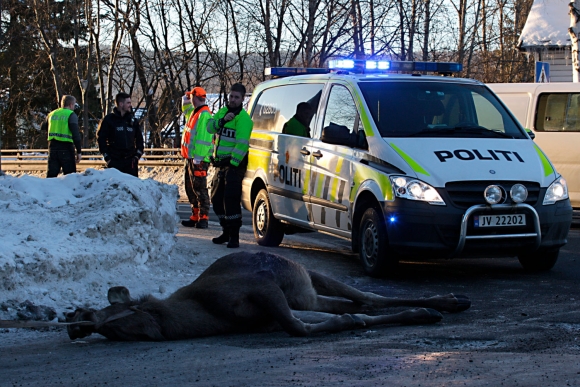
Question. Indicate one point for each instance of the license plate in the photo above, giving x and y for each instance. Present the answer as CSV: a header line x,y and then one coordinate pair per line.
x,y
499,220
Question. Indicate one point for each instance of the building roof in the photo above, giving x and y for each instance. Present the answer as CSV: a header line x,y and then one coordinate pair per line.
x,y
547,26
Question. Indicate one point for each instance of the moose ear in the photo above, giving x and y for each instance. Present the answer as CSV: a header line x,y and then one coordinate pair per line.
x,y
118,295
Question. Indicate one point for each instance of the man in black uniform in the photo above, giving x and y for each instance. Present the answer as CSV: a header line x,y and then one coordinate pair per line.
x,y
120,138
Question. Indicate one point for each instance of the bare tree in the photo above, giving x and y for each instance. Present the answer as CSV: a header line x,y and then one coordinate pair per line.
x,y
574,32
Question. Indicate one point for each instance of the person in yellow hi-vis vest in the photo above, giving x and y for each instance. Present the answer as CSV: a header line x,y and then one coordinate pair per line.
x,y
196,147
233,127
63,137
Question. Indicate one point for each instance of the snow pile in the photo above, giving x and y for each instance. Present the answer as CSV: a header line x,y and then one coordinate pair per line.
x,y
79,228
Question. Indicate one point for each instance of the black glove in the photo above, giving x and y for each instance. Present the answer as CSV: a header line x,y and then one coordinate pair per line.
x,y
221,162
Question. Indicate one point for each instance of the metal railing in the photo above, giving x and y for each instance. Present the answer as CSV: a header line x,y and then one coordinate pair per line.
x,y
36,159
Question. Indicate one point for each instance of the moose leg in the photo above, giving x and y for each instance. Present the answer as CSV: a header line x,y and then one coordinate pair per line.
x,y
412,316
327,286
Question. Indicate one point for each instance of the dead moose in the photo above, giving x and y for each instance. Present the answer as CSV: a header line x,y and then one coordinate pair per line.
x,y
245,292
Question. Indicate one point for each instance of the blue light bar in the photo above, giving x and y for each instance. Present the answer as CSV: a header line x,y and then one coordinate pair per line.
x,y
289,71
382,66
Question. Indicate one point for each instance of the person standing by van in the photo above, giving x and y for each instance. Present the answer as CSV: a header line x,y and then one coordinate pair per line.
x,y
63,137
120,138
196,147
233,127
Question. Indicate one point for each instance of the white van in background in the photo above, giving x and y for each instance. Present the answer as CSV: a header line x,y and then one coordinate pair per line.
x,y
552,112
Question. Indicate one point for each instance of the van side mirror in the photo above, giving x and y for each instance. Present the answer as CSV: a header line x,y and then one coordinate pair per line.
x,y
339,135
531,133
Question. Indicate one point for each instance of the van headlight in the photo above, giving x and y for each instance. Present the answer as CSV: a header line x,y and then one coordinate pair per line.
x,y
557,191
413,189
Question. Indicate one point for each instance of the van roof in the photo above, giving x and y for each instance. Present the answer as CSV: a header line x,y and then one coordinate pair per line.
x,y
356,78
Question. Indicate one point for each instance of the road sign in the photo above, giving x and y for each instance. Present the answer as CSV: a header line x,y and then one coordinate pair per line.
x,y
542,72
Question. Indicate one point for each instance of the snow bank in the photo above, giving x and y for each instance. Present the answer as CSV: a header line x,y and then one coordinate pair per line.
x,y
80,228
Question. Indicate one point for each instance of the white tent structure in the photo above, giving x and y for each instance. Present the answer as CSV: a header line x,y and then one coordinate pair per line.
x,y
546,36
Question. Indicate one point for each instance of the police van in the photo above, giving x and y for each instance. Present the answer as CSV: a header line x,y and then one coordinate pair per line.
x,y
404,164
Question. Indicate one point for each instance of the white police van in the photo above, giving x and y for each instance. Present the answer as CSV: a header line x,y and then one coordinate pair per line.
x,y
406,166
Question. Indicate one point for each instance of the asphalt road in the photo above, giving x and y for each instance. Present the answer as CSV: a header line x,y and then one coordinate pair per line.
x,y
522,330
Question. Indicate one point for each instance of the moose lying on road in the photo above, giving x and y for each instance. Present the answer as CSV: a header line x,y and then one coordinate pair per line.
x,y
245,292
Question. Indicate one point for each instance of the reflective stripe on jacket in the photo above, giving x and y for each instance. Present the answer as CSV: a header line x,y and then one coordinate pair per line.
x,y
234,138
58,125
196,141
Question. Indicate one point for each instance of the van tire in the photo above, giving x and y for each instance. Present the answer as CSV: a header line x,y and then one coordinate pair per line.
x,y
373,245
539,260
268,231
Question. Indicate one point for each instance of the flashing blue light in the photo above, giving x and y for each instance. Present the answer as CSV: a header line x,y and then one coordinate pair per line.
x,y
345,64
392,219
377,65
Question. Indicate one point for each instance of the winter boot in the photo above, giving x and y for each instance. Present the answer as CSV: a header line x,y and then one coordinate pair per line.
x,y
222,238
193,219
234,238
202,223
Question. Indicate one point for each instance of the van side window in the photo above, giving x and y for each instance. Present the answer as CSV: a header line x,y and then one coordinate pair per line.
x,y
341,120
279,105
340,109
558,112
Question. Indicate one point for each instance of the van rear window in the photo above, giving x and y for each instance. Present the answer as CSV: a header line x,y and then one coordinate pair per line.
x,y
558,112
437,109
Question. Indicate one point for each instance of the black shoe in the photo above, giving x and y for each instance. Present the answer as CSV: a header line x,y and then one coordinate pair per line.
x,y
232,244
201,224
222,238
188,223
234,239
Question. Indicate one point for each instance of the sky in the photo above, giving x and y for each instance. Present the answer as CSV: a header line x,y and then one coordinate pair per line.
x,y
65,241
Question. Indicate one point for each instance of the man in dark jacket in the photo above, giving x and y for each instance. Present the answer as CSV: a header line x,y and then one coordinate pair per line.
x,y
120,138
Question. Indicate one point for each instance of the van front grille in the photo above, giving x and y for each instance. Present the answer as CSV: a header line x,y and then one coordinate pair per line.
x,y
465,194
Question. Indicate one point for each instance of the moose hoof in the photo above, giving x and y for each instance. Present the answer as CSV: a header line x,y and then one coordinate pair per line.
x,y
422,316
451,303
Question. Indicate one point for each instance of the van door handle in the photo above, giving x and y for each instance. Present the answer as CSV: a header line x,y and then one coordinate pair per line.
x,y
304,151
317,154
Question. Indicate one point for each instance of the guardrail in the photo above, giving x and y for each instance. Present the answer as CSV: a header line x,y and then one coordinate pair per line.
x,y
36,159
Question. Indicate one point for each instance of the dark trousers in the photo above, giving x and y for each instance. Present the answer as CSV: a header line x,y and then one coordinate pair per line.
x,y
61,155
226,195
195,179
129,166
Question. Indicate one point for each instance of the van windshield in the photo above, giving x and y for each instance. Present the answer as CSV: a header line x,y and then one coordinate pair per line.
x,y
437,109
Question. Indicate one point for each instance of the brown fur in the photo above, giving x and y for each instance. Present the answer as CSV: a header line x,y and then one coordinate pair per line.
x,y
245,292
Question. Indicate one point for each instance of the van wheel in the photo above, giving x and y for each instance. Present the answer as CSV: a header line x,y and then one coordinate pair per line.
x,y
539,260
374,245
268,230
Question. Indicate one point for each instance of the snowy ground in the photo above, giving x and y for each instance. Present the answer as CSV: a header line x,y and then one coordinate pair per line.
x,y
65,241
